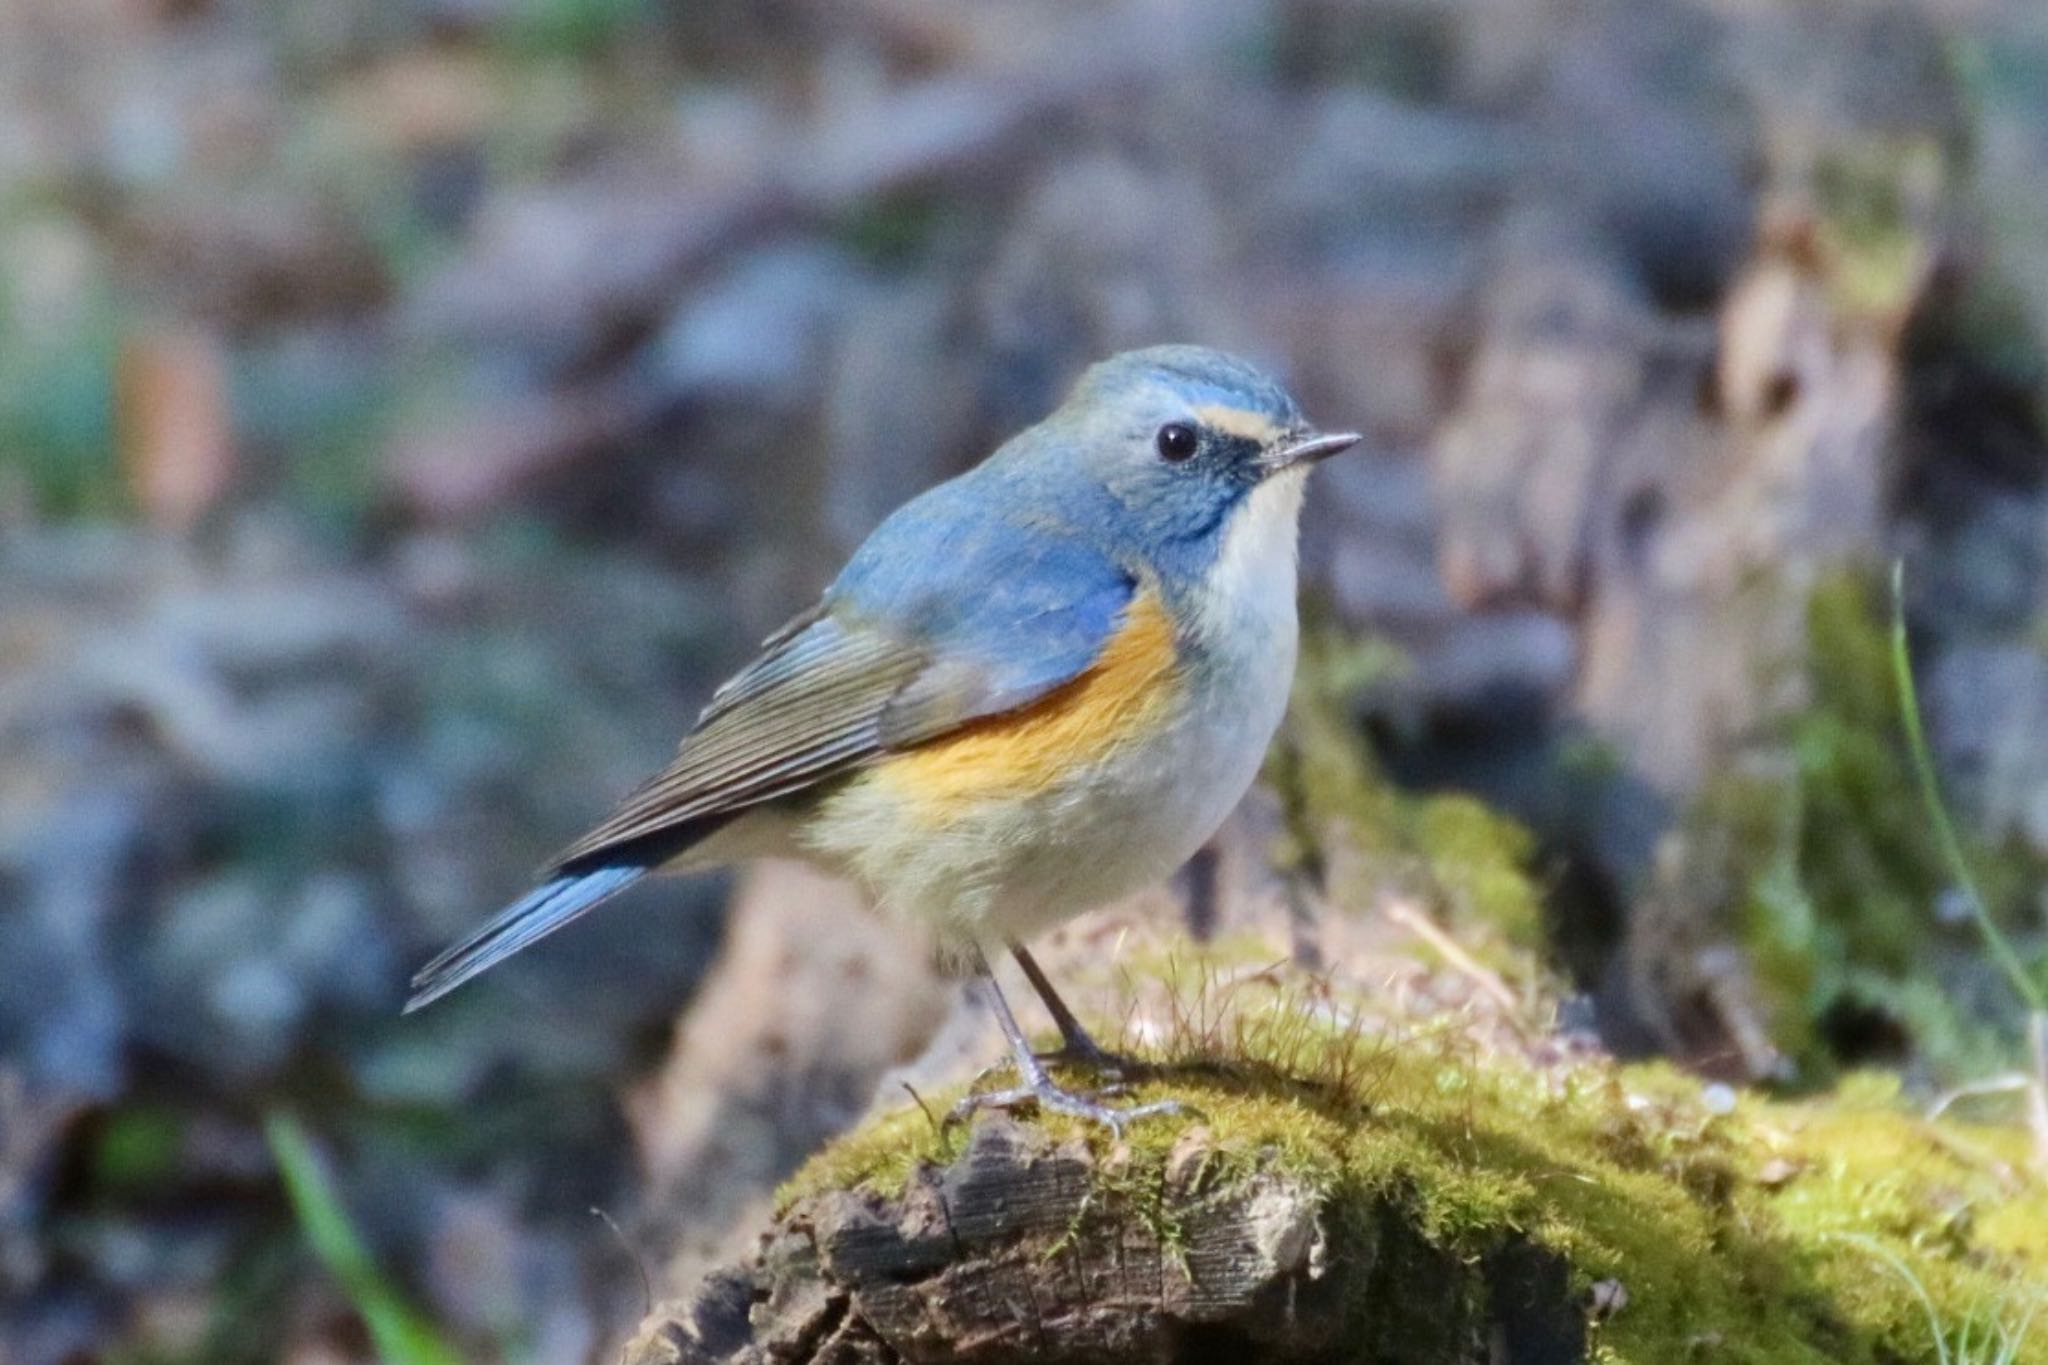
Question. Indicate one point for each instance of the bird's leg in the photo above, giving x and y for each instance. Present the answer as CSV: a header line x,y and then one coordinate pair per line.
x,y
1038,1088
1076,1046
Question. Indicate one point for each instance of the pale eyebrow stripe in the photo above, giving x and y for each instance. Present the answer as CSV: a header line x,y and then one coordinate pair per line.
x,y
1238,422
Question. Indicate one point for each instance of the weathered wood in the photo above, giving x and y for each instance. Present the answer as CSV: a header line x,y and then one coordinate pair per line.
x,y
1024,1249
810,1001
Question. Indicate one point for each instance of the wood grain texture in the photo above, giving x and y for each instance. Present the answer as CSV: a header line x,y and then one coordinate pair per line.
x,y
1024,1250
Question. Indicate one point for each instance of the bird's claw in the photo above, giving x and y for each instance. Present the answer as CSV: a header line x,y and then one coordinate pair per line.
x,y
1046,1096
1100,1060
1096,1058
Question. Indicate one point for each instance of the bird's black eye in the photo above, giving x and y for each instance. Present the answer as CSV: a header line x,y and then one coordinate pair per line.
x,y
1177,441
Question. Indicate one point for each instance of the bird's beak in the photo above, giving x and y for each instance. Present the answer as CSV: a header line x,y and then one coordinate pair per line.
x,y
1307,448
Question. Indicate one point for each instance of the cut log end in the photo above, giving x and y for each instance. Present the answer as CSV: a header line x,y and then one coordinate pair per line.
x,y
1025,1249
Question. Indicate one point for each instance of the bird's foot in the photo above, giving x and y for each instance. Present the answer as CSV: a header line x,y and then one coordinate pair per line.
x,y
1041,1093
1086,1052
1088,1055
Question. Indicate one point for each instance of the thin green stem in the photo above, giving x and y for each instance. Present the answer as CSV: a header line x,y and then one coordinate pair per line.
x,y
1937,811
401,1334
1873,1247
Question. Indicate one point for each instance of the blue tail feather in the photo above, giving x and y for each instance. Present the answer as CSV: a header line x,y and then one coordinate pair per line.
x,y
526,921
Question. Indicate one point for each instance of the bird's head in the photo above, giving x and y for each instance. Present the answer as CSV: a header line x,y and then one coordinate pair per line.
x,y
1184,450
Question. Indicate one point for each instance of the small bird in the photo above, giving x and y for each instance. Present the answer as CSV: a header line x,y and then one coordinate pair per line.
x,y
1036,688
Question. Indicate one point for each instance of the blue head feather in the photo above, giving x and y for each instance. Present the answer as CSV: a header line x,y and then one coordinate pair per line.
x,y
1035,552
1193,375
1095,463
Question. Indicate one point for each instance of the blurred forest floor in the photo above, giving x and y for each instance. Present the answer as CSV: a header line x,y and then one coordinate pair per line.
x,y
408,410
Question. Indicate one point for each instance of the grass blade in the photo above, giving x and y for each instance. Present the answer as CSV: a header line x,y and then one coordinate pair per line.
x,y
1937,811
402,1335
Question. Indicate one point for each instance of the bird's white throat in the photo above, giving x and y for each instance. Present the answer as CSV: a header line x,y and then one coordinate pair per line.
x,y
1252,583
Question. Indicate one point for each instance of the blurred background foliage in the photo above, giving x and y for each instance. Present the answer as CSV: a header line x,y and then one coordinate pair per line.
x,y
408,409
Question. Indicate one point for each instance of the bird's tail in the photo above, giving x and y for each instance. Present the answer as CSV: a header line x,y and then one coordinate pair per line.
x,y
542,911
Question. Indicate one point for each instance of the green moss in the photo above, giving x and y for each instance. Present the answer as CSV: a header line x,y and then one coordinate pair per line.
x,y
1875,194
1479,860
1834,872
1753,1227
1451,854
882,1154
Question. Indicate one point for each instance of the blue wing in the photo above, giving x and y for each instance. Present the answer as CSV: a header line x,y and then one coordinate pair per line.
x,y
949,613
1009,603
957,608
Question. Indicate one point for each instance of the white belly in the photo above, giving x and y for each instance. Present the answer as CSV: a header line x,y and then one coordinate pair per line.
x,y
1132,822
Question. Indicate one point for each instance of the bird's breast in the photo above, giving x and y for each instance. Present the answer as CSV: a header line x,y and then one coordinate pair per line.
x,y
1108,783
1127,696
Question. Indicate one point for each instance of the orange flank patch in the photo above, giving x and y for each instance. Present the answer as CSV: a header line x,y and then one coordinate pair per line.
x,y
1237,422
1122,696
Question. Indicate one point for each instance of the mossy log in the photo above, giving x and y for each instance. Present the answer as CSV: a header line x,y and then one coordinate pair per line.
x,y
1389,1164
1028,1249
1430,1199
